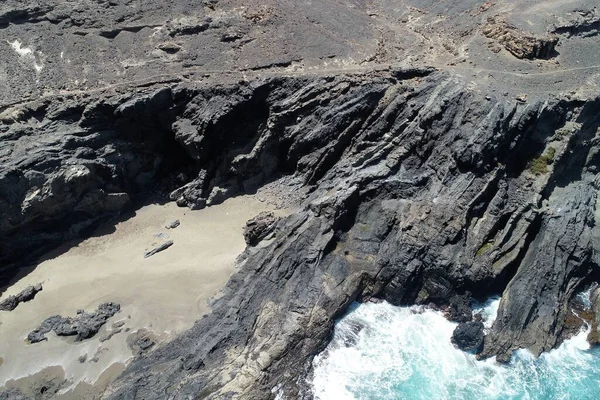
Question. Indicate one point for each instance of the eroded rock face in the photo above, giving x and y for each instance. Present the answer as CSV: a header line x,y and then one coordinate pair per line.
x,y
579,23
421,191
428,171
68,164
519,43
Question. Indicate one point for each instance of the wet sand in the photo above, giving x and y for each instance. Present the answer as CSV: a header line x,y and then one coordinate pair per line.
x,y
164,294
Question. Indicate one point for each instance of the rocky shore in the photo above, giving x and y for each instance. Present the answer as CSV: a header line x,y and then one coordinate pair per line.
x,y
441,159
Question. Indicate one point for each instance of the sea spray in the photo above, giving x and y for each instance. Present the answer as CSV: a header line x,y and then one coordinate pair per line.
x,y
380,351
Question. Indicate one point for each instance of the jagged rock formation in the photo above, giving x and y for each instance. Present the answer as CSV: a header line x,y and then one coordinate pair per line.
x,y
459,308
92,156
83,326
426,192
580,23
594,335
27,294
429,173
520,44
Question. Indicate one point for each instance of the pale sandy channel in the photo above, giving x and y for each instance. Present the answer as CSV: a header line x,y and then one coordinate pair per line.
x,y
164,294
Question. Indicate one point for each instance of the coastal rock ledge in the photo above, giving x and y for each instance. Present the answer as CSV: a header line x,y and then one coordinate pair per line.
x,y
426,173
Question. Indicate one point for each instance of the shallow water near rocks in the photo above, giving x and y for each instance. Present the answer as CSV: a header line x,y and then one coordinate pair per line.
x,y
380,351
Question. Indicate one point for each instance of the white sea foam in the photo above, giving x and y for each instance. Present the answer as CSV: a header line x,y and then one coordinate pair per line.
x,y
384,352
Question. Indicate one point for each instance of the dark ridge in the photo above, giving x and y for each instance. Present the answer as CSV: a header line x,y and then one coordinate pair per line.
x,y
111,34
284,64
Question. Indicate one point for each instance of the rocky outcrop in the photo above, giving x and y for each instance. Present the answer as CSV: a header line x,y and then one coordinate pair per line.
x,y
259,227
519,43
594,335
27,294
69,164
420,191
468,336
459,308
579,23
419,184
83,326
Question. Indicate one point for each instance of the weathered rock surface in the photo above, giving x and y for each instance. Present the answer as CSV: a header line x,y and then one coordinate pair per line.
x,y
594,335
83,326
459,308
468,336
425,192
579,23
521,44
430,165
259,227
27,294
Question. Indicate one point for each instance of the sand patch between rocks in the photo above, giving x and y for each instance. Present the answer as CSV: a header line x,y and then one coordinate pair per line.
x,y
164,294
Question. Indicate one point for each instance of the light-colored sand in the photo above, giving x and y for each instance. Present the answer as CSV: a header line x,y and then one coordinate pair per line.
x,y
164,294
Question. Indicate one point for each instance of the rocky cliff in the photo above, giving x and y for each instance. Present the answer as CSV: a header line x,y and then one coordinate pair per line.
x,y
463,173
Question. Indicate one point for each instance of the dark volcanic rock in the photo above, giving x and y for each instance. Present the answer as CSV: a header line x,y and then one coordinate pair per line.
x,y
429,166
468,336
459,308
158,249
594,335
579,23
39,334
28,294
84,325
421,190
259,227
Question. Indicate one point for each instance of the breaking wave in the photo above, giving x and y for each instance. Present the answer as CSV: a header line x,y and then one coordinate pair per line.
x,y
383,352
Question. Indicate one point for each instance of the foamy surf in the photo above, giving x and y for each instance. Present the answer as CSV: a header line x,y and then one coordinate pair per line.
x,y
380,351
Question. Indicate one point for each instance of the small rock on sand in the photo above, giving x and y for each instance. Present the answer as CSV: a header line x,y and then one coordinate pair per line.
x,y
158,249
173,224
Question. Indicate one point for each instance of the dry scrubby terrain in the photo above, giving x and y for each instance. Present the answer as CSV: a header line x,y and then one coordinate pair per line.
x,y
445,149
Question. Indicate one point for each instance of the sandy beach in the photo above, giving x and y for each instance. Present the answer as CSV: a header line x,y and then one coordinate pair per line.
x,y
163,294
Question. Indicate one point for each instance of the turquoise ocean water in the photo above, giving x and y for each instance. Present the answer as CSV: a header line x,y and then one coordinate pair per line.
x,y
383,352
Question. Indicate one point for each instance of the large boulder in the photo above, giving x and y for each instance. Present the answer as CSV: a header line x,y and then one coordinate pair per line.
x,y
259,227
468,336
